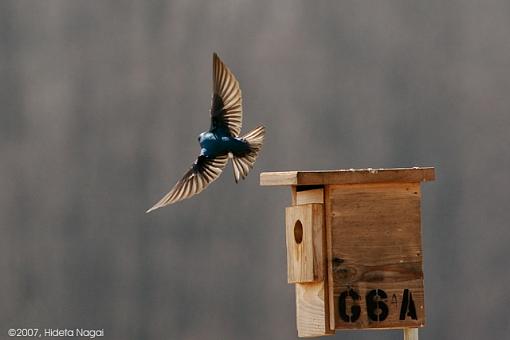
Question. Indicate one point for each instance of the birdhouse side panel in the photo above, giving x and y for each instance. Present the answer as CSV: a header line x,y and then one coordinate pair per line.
x,y
312,299
375,255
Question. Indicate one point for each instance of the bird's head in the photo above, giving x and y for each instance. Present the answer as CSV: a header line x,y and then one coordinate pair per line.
x,y
200,137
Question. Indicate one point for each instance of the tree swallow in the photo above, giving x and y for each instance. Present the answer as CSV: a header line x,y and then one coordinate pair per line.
x,y
221,142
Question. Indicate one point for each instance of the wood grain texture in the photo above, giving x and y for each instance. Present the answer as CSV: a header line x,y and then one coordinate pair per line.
x,y
375,240
310,196
311,313
347,176
329,256
275,178
305,257
312,308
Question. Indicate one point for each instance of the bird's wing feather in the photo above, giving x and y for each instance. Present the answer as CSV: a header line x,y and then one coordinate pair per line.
x,y
227,106
203,172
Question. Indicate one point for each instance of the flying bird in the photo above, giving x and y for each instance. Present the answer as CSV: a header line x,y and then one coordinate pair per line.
x,y
221,142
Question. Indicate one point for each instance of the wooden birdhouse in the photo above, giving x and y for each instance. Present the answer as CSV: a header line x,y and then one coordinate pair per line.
x,y
354,247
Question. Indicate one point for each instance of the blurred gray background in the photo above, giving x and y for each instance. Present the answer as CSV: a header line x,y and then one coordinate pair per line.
x,y
100,106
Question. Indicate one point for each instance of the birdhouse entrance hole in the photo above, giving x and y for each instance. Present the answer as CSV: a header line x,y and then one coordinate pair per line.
x,y
298,232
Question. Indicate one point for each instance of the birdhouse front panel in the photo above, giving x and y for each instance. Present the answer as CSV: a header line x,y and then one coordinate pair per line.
x,y
376,278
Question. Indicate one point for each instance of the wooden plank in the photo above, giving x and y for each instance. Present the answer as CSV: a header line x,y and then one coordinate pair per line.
x,y
294,195
312,308
310,196
375,254
389,294
274,178
348,176
311,313
305,257
329,256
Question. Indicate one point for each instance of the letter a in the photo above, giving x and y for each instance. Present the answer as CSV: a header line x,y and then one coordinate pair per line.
x,y
408,308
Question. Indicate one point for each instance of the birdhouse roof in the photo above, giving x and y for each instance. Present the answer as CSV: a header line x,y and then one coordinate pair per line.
x,y
348,176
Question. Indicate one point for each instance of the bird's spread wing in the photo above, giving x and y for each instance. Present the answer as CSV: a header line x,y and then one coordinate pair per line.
x,y
227,106
202,173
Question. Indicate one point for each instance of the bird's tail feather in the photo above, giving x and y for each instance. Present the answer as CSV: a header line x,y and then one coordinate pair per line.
x,y
243,164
